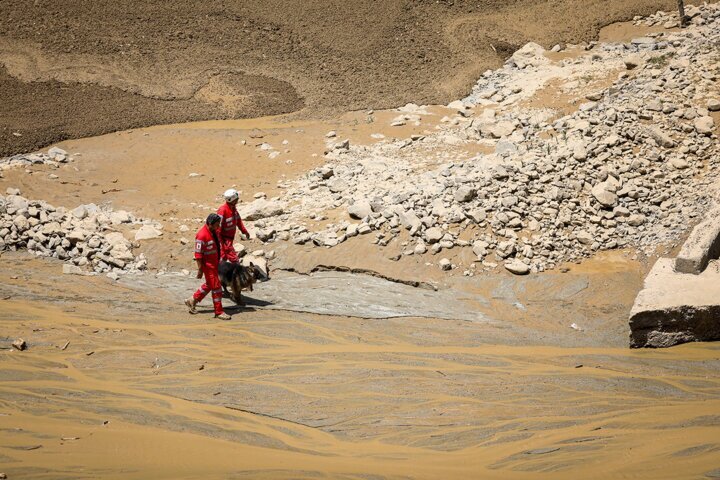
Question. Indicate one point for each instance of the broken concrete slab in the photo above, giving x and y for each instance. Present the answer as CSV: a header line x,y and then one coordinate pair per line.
x,y
702,245
675,307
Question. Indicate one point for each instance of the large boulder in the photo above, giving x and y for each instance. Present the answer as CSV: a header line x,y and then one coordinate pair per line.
x,y
530,55
465,193
21,223
261,208
410,221
517,267
15,203
360,209
604,196
147,232
120,216
662,138
433,235
704,125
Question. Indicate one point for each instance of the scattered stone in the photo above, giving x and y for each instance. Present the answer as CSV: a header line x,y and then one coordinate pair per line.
x,y
465,194
147,232
359,210
68,269
517,267
19,344
433,235
604,197
261,208
57,154
445,264
704,125
632,61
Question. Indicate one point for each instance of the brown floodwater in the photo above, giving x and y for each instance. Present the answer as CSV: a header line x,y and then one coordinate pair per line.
x,y
143,390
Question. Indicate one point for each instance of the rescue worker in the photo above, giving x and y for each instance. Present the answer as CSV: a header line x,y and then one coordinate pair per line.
x,y
231,221
207,257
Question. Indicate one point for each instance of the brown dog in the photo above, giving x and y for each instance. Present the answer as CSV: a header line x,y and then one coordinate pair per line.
x,y
239,277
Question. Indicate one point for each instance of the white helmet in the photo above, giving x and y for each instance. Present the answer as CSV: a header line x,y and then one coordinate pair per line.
x,y
231,195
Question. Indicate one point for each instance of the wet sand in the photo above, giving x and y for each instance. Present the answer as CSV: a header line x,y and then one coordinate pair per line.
x,y
140,393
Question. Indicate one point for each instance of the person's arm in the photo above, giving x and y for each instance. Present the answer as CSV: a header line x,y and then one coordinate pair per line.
x,y
199,257
242,228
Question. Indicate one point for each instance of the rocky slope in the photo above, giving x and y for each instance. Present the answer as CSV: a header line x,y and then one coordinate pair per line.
x,y
633,165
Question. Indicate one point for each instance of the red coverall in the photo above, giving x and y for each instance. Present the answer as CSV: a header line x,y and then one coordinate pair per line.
x,y
231,221
208,253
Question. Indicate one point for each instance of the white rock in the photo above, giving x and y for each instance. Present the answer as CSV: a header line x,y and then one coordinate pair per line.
x,y
501,129
410,221
517,267
584,237
445,264
147,232
531,54
679,163
57,154
632,61
704,125
602,194
337,185
80,212
69,269
663,139
21,223
119,216
477,215
636,220
433,235
360,209
713,105
261,208
464,194
77,235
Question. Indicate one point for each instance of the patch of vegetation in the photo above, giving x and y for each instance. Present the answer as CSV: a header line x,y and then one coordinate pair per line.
x,y
661,61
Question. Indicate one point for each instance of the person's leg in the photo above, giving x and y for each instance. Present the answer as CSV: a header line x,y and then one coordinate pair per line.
x,y
197,297
202,291
228,251
213,281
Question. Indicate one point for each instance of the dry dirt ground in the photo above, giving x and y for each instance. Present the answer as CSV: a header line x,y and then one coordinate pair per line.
x,y
71,69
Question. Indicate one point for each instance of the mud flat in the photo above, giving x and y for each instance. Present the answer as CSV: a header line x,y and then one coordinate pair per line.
x,y
115,386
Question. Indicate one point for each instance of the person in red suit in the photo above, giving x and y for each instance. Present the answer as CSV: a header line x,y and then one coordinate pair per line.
x,y
231,222
207,257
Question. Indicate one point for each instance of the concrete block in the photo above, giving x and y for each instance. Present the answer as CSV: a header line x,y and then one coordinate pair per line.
x,y
702,245
676,308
